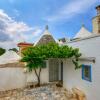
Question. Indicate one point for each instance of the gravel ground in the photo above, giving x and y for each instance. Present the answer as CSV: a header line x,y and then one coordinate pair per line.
x,y
41,93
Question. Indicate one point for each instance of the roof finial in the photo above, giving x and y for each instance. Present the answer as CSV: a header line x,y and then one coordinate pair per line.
x,y
83,25
46,27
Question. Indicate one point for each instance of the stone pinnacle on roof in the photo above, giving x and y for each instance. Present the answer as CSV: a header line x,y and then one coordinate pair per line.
x,y
83,25
46,32
46,27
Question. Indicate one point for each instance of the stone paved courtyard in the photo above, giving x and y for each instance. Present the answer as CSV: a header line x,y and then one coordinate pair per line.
x,y
40,93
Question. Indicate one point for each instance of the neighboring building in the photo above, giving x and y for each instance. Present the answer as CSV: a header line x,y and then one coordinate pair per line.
x,y
11,71
63,40
23,45
9,57
96,21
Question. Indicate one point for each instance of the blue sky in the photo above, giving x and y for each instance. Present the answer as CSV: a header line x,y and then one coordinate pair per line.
x,y
25,20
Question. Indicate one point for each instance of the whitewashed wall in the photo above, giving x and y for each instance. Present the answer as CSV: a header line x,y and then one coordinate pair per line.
x,y
12,78
73,78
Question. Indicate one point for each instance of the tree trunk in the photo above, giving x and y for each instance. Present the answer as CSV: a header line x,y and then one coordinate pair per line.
x,y
38,81
38,76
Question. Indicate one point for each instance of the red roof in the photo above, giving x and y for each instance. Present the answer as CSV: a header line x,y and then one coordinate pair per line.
x,y
24,44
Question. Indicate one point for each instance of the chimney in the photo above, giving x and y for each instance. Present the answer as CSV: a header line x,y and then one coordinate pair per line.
x,y
98,9
96,21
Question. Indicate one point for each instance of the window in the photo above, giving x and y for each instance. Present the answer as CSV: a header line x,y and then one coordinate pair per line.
x,y
86,72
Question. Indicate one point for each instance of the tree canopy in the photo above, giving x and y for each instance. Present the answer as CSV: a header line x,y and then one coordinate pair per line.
x,y
2,51
39,53
14,49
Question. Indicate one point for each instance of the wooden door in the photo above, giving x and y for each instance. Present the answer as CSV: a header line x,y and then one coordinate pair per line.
x,y
53,70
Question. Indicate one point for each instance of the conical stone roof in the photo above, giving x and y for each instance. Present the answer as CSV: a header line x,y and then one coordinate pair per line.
x,y
45,38
9,57
83,32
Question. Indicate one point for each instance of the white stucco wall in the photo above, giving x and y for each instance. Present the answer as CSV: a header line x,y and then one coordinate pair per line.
x,y
73,78
12,78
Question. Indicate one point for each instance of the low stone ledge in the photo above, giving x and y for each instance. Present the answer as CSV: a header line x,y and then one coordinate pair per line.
x,y
80,95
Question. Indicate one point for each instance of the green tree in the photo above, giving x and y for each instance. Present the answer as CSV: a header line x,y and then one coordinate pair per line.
x,y
14,49
2,51
35,56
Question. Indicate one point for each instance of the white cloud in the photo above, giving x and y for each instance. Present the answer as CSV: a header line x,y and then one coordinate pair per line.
x,y
17,27
71,9
4,16
8,44
36,31
12,32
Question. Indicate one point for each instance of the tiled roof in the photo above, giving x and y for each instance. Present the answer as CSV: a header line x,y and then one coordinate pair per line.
x,y
24,44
